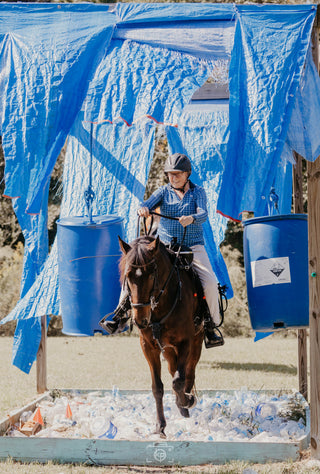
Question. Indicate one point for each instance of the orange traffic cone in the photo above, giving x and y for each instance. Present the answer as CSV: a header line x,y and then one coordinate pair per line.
x,y
37,417
68,412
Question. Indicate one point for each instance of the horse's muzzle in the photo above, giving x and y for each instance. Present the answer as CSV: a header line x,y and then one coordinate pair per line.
x,y
141,314
143,324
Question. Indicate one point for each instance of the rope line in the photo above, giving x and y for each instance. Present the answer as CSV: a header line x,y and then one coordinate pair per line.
x,y
99,122
94,256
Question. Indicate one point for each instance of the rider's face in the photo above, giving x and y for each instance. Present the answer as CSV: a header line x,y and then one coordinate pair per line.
x,y
178,178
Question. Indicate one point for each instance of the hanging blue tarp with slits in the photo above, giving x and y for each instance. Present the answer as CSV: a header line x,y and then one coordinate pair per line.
x,y
127,67
270,49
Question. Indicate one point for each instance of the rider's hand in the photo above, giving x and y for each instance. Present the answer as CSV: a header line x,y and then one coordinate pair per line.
x,y
143,212
185,220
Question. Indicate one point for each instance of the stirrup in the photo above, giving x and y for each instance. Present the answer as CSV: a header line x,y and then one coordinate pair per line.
x,y
113,326
212,339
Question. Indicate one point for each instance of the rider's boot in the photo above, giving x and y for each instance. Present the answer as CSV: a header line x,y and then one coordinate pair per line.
x,y
212,335
119,319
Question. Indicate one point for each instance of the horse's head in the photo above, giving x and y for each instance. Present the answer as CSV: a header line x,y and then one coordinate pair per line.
x,y
138,268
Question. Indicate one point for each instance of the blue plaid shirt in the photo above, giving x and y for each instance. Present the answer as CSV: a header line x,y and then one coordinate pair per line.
x,y
193,203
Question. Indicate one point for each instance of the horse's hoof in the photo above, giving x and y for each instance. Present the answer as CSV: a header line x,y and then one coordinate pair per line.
x,y
184,412
192,400
160,431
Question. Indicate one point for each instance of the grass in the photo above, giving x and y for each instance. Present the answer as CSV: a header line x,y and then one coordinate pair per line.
x,y
102,362
10,275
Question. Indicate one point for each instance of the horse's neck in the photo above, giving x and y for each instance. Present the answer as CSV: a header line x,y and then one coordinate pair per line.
x,y
165,267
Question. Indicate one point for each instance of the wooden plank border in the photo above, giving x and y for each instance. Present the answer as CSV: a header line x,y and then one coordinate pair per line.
x,y
144,453
5,423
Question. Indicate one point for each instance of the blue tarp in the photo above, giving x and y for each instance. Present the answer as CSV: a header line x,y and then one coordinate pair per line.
x,y
128,67
270,48
203,136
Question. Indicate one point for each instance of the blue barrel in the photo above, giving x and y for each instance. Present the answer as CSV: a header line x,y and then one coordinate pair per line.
x,y
88,258
276,262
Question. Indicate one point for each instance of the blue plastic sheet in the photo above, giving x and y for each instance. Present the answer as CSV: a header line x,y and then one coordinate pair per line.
x,y
46,53
145,81
303,134
203,136
62,65
27,334
264,79
118,184
121,157
146,13
209,34
122,154
48,56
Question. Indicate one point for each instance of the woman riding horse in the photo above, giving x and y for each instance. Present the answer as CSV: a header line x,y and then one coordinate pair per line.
x,y
187,201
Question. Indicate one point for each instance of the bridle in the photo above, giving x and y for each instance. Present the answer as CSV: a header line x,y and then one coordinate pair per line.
x,y
154,300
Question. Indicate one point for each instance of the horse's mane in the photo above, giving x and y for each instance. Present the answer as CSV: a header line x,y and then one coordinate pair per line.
x,y
139,254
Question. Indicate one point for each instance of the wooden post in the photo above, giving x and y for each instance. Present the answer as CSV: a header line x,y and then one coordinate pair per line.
x,y
302,333
314,281
42,358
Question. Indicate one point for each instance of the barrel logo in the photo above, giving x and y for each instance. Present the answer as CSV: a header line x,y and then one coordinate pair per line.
x,y
270,271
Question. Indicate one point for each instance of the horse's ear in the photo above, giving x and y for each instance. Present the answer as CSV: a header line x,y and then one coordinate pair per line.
x,y
123,245
154,245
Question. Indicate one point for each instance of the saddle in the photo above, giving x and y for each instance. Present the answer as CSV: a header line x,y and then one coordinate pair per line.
x,y
185,263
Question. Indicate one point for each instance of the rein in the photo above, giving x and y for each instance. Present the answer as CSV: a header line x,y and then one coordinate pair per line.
x,y
156,325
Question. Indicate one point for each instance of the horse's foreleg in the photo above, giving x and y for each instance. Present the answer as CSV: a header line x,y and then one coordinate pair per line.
x,y
191,370
152,355
179,380
171,358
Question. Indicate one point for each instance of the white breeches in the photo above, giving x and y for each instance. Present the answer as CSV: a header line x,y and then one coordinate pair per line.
x,y
202,266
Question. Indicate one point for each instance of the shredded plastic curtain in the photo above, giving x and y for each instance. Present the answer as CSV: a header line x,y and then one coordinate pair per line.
x,y
174,79
303,134
145,81
264,79
117,191
47,52
48,57
57,60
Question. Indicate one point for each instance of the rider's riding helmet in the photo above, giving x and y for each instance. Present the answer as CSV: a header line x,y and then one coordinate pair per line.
x,y
177,162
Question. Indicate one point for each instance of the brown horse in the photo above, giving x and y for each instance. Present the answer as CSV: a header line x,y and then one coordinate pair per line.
x,y
163,303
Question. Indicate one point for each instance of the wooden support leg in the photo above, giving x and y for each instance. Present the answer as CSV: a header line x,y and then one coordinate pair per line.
x,y
302,333
42,358
314,302
314,279
303,363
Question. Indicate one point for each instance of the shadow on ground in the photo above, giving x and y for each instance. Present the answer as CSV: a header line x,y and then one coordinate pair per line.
x,y
279,368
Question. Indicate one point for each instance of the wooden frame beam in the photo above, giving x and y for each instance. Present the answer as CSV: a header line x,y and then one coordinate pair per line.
x,y
42,358
314,278
302,333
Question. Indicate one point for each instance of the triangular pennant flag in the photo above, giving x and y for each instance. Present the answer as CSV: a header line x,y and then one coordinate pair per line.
x,y
37,417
